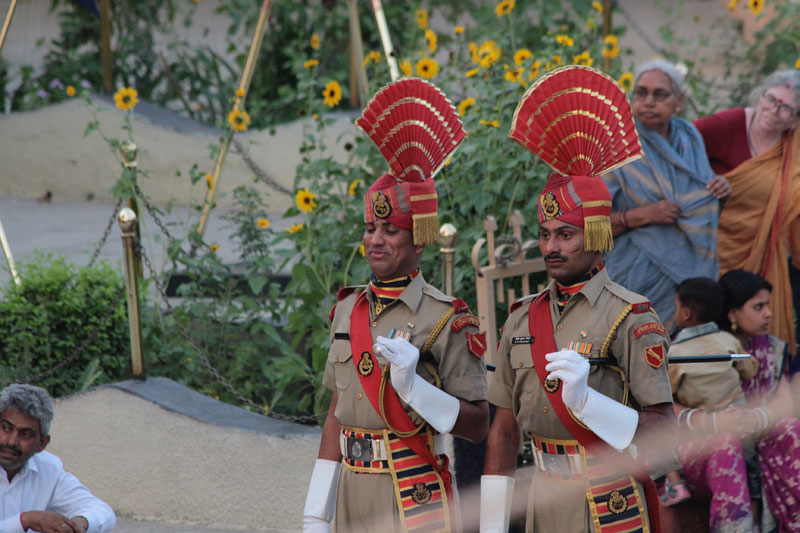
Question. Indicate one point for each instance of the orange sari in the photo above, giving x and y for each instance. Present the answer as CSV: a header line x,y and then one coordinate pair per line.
x,y
759,226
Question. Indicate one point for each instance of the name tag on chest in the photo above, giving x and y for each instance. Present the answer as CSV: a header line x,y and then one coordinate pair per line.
x,y
521,340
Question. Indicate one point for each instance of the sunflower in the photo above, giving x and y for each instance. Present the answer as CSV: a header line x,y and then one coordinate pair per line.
x,y
314,41
583,59
376,56
732,5
597,6
471,73
126,98
311,63
406,68
430,40
70,91
239,93
473,50
626,81
361,250
557,60
504,8
305,200
262,223
564,40
422,18
239,120
492,123
214,248
209,181
332,93
294,228
427,68
534,72
458,30
514,75
353,186
755,6
521,55
465,104
610,48
488,54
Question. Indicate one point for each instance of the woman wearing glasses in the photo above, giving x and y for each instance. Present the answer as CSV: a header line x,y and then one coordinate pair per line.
x,y
756,149
664,206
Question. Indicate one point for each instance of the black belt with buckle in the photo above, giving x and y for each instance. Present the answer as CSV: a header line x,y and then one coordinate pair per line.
x,y
359,449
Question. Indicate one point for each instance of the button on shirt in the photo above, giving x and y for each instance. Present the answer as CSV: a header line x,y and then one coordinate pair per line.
x,y
43,485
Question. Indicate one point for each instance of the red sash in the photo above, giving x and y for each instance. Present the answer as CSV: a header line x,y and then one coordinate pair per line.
x,y
540,325
396,415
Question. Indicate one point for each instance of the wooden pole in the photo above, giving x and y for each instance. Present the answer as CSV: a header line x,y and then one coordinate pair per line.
x,y
608,5
357,57
105,46
7,22
386,39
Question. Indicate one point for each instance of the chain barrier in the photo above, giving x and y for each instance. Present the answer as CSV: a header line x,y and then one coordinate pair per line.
x,y
105,233
262,175
152,211
78,351
302,419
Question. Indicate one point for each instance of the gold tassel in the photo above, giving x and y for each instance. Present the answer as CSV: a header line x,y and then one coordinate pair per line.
x,y
597,235
426,229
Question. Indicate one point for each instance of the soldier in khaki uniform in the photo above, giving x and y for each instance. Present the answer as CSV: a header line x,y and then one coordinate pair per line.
x,y
405,367
581,418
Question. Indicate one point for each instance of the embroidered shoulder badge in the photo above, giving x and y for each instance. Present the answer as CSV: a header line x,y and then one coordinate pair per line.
x,y
640,308
464,321
654,355
650,327
476,342
460,306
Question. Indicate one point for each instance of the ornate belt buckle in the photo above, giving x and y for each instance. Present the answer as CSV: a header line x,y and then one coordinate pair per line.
x,y
359,449
557,464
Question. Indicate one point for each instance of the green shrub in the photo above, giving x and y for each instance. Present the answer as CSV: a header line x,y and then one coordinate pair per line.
x,y
51,314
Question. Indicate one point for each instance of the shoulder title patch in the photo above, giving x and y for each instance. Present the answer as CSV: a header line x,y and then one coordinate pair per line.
x,y
650,327
476,342
460,306
464,321
654,355
640,308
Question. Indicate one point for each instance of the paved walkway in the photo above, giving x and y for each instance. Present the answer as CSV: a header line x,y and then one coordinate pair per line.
x,y
130,525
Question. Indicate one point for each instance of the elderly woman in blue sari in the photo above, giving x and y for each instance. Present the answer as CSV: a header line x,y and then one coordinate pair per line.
x,y
665,206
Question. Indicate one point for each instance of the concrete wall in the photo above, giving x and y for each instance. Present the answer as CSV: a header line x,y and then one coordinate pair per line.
x,y
148,461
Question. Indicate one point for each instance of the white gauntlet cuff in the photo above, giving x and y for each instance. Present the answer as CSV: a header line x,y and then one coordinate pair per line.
x,y
321,497
610,420
496,497
437,407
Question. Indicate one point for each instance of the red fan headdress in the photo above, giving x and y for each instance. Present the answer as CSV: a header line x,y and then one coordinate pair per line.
x,y
578,121
417,129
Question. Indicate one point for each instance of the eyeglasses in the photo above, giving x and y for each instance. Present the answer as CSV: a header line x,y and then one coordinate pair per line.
x,y
783,110
659,95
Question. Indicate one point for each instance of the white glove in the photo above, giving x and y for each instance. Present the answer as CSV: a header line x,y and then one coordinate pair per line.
x,y
610,420
573,370
496,497
437,407
321,497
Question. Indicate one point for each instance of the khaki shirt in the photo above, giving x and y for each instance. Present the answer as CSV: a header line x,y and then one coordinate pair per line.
x,y
587,318
417,311
709,385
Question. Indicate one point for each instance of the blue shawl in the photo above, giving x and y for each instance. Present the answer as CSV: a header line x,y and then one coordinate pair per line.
x,y
652,260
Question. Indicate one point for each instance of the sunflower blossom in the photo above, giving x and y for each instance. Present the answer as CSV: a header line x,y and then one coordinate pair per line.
x,y
126,98
534,72
214,248
262,223
732,5
471,73
797,64
557,60
492,123
361,250
353,186
305,200
514,75
473,50
314,41
564,40
610,48
521,55
626,81
583,59
294,228
422,18
755,6
332,93
209,181
406,68
488,54
240,93
239,120
465,104
311,63
597,6
431,40
504,8
427,68
458,30
70,91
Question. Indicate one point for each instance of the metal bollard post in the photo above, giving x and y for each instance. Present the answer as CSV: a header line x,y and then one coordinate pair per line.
x,y
447,242
127,223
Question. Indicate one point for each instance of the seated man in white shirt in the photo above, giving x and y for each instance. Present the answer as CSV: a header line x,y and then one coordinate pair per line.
x,y
36,493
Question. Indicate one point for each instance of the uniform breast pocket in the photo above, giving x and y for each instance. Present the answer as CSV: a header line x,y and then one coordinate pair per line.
x,y
341,357
522,363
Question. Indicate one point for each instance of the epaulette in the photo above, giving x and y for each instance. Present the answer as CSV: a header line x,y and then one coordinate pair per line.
x,y
344,292
460,306
639,304
516,304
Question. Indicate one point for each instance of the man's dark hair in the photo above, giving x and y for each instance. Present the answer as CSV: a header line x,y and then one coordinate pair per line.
x,y
738,286
703,296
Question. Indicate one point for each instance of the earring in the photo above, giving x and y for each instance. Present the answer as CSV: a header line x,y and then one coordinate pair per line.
x,y
734,325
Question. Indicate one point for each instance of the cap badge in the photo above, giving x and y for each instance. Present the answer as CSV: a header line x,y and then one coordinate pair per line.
x,y
381,207
550,206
